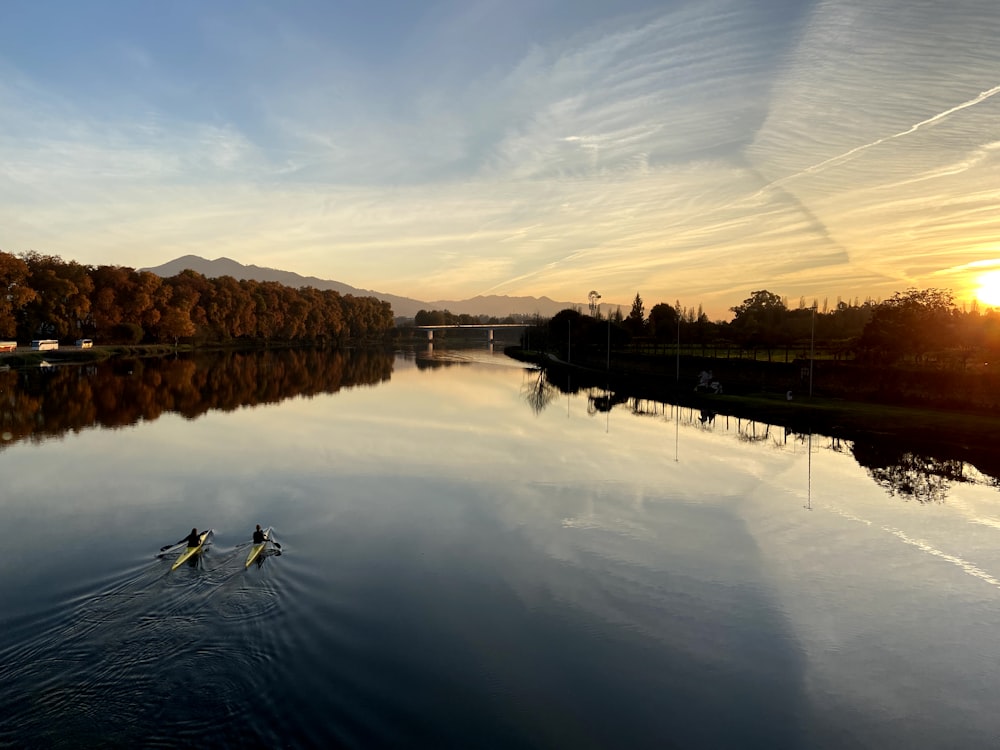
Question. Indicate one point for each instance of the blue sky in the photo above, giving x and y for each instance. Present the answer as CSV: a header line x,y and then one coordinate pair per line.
x,y
692,151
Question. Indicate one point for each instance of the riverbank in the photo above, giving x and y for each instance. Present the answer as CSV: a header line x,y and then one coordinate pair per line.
x,y
25,357
953,434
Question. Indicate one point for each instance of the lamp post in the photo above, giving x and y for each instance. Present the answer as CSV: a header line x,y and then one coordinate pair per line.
x,y
678,346
812,349
609,343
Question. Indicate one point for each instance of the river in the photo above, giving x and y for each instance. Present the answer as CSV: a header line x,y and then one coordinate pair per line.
x,y
471,557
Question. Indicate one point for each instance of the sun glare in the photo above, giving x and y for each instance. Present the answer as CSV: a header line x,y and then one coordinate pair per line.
x,y
988,291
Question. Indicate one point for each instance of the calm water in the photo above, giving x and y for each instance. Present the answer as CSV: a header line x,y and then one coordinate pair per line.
x,y
472,558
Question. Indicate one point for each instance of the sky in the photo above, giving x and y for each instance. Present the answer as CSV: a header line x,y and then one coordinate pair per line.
x,y
692,151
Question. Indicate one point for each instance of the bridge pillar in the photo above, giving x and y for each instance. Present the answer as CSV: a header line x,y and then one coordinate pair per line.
x,y
489,335
430,334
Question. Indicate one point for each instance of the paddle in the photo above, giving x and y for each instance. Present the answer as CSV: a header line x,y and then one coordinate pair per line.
x,y
267,538
165,547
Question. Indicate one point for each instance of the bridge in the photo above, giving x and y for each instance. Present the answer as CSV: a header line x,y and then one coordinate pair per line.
x,y
488,327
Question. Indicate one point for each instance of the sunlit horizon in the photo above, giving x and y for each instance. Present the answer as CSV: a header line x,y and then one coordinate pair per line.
x,y
686,152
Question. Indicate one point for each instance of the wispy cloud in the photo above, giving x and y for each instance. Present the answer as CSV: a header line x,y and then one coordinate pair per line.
x,y
693,151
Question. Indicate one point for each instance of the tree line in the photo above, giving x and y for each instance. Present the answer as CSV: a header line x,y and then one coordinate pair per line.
x,y
47,297
448,318
914,327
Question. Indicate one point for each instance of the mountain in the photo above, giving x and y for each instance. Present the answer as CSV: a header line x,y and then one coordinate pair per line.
x,y
405,307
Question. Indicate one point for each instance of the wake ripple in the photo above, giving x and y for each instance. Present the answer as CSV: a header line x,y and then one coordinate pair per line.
x,y
151,649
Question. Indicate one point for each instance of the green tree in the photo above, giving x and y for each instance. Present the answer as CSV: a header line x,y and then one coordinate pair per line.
x,y
759,322
663,322
910,323
636,320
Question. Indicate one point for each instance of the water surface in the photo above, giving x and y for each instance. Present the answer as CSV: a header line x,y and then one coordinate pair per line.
x,y
473,559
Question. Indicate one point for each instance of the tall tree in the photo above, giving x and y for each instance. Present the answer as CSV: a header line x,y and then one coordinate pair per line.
x,y
636,320
759,322
14,292
61,306
663,321
910,323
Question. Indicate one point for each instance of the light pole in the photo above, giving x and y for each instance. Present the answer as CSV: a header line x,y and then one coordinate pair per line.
x,y
812,349
678,347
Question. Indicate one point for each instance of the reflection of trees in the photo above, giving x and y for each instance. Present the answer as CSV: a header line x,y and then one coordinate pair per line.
x,y
894,464
537,391
39,404
604,401
751,431
909,475
436,363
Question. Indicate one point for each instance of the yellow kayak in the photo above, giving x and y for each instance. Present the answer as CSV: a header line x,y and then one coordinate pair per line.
x,y
190,551
257,549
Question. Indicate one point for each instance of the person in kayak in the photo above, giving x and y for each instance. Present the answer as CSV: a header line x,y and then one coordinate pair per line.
x,y
193,539
258,536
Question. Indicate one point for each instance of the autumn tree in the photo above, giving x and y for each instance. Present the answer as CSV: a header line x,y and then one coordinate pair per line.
x,y
106,309
61,305
14,292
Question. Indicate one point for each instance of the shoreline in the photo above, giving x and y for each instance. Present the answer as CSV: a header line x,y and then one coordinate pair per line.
x,y
947,433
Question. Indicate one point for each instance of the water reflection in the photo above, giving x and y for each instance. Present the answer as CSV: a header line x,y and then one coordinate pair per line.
x,y
902,470
912,476
451,553
44,403
537,391
40,404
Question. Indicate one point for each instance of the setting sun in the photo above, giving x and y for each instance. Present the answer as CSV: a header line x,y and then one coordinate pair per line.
x,y
988,291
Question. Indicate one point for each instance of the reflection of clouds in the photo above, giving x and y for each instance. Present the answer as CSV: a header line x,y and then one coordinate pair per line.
x,y
706,572
926,547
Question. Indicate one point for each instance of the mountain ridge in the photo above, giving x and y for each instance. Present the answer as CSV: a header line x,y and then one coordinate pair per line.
x,y
405,307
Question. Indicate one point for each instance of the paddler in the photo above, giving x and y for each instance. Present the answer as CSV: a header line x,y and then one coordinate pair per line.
x,y
258,536
193,539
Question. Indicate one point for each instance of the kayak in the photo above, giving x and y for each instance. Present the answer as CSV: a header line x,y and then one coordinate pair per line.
x,y
257,549
189,552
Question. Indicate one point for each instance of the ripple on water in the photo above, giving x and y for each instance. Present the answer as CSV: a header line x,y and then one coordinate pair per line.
x,y
195,643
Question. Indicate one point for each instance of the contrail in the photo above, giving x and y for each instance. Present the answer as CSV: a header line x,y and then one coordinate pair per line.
x,y
983,96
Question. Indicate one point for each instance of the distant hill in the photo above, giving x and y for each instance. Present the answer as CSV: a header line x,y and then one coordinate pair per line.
x,y
405,307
